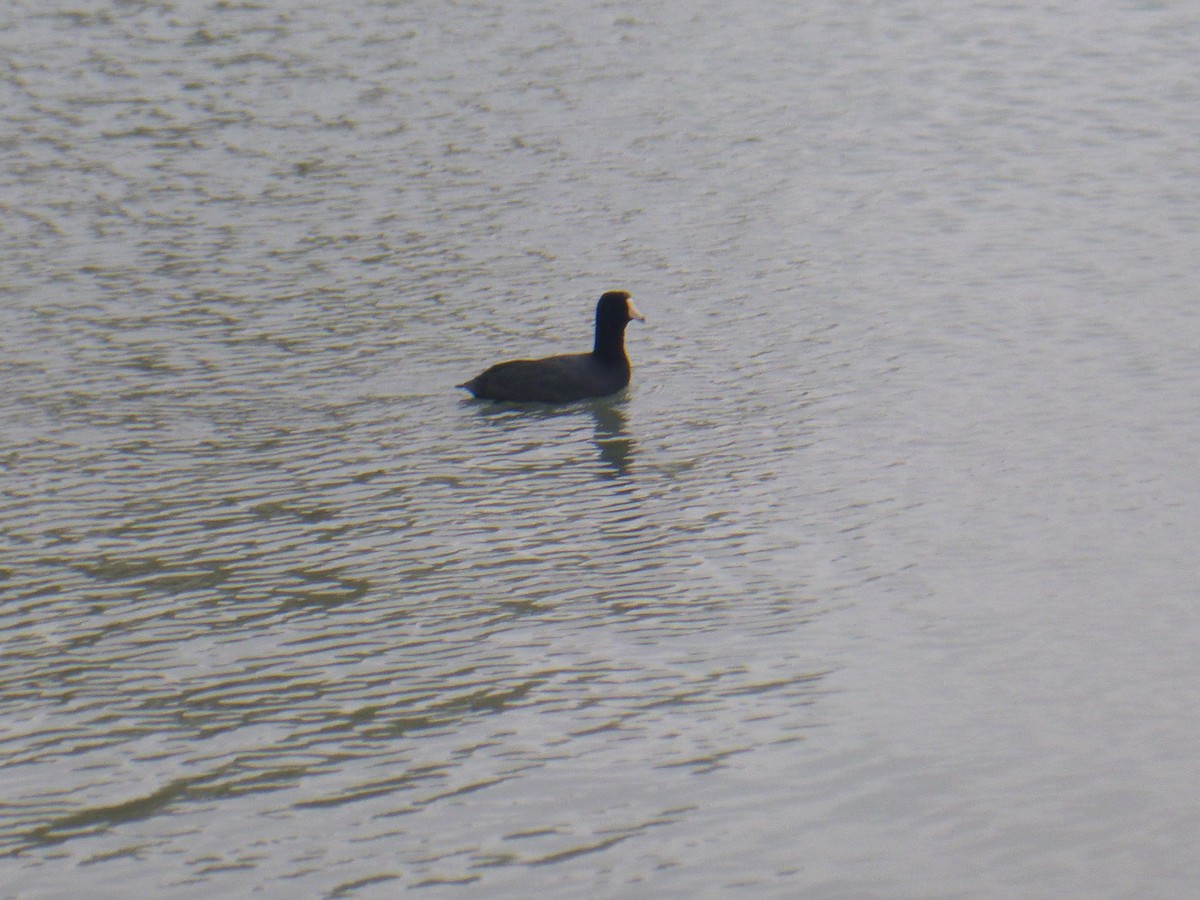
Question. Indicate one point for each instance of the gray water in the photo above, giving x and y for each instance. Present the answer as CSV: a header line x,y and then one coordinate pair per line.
x,y
880,580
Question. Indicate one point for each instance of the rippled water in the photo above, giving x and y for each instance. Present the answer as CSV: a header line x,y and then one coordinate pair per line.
x,y
879,581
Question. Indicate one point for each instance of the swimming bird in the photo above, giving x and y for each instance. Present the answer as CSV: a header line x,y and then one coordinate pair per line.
x,y
572,376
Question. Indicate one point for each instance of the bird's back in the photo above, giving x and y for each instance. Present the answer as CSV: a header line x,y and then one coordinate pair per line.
x,y
555,379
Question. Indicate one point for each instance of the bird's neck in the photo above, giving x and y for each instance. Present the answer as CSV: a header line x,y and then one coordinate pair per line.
x,y
609,347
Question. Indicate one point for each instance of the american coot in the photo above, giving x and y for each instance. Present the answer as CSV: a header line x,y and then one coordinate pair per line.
x,y
574,376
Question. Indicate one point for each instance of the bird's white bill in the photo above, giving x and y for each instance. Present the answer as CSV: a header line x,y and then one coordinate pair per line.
x,y
634,312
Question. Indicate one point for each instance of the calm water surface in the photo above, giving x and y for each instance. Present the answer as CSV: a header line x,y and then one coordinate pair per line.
x,y
880,580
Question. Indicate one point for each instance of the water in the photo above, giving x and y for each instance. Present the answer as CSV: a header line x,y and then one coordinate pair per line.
x,y
879,581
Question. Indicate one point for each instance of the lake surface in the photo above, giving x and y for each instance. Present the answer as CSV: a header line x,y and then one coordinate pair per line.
x,y
880,580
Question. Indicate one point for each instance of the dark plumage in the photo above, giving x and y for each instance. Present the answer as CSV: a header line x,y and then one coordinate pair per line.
x,y
574,376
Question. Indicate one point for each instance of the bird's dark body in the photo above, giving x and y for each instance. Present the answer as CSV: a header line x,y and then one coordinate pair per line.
x,y
572,376
555,379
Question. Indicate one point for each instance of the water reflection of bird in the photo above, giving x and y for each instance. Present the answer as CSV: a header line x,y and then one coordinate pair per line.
x,y
612,438
569,377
